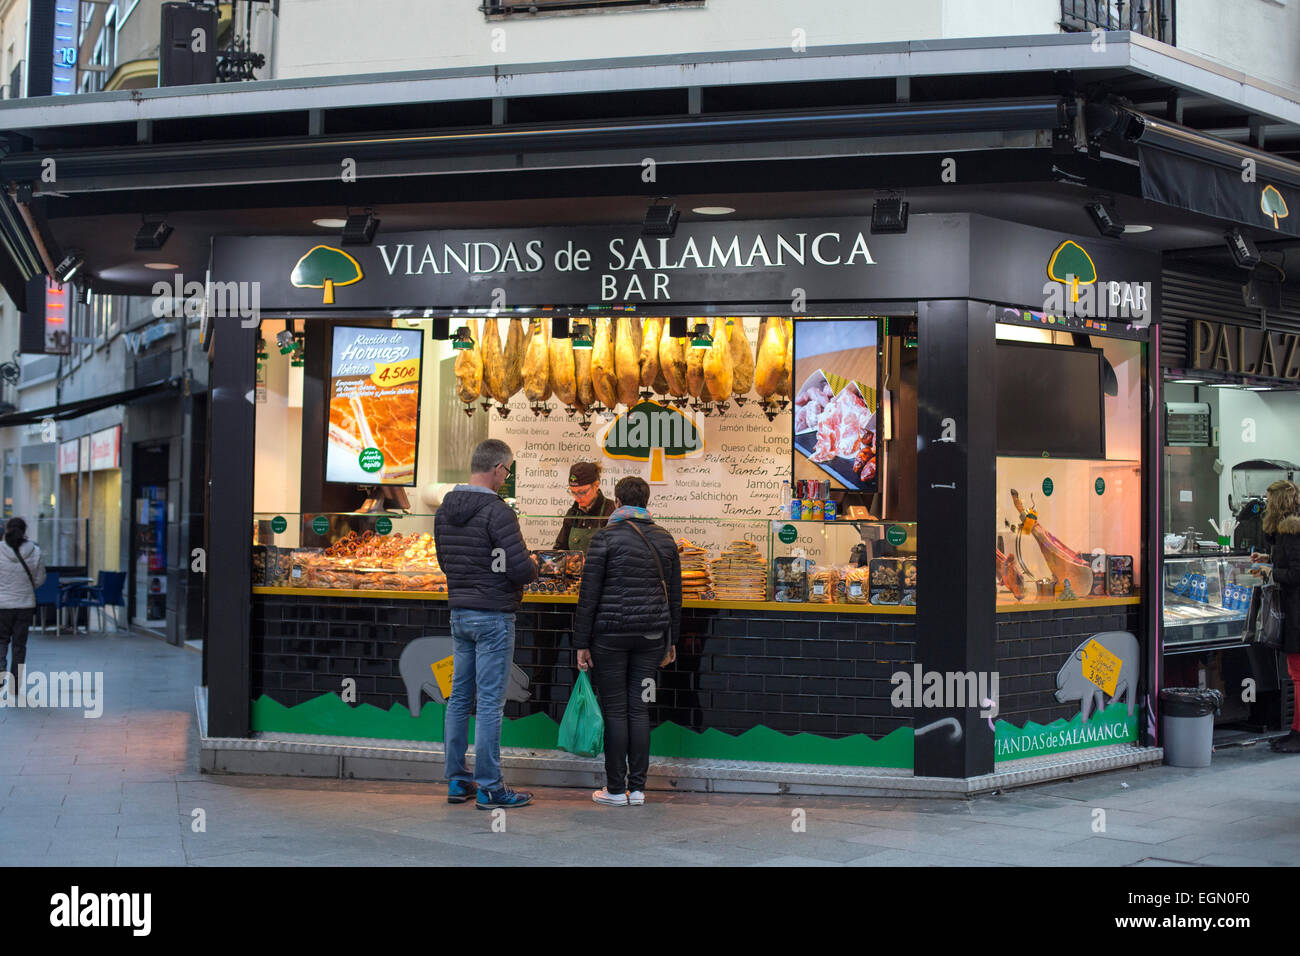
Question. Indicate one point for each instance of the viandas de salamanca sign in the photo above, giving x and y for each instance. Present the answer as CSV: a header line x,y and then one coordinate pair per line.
x,y
1241,351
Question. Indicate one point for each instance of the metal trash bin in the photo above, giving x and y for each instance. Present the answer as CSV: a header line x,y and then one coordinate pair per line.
x,y
1187,724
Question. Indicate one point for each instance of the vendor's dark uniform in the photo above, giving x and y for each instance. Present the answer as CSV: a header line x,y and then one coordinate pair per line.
x,y
578,525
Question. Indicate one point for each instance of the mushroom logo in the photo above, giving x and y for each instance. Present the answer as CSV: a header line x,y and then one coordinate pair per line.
x,y
324,267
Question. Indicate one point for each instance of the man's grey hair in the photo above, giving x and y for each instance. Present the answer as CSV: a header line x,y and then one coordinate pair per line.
x,y
489,454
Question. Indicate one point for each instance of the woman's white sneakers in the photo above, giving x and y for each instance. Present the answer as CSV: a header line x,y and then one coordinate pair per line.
x,y
636,798
603,796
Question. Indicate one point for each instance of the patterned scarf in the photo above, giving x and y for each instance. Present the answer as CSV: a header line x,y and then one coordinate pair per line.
x,y
627,511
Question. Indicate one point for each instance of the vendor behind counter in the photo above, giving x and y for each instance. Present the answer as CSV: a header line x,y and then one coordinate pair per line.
x,y
589,512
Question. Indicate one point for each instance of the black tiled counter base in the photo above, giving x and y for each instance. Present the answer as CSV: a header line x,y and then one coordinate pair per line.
x,y
1031,647
826,674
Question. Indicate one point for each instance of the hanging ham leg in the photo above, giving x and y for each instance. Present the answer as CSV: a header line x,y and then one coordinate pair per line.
x,y
769,365
672,362
494,363
603,380
718,376
651,335
514,358
742,359
626,360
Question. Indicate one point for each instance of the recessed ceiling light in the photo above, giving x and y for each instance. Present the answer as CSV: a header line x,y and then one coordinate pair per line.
x,y
1187,381
162,266
1259,388
1224,385
330,223
1134,227
713,210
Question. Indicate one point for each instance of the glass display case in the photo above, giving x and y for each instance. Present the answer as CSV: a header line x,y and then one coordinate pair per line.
x,y
1205,599
849,562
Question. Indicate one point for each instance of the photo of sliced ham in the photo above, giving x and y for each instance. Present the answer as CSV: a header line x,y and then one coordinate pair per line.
x,y
845,428
811,403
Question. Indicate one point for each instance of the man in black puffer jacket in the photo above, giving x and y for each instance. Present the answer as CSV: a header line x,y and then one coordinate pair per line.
x,y
482,552
627,624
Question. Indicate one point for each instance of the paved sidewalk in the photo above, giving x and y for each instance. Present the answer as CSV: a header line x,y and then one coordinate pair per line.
x,y
124,789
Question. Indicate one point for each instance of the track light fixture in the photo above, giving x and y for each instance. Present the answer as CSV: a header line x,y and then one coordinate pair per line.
x,y
152,234
1244,252
660,219
69,267
889,215
1105,218
360,228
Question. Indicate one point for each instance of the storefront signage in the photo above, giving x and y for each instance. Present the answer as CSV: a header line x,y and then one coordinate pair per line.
x,y
753,260
1100,485
1242,351
374,412
135,341
651,432
1048,487
896,535
68,457
105,448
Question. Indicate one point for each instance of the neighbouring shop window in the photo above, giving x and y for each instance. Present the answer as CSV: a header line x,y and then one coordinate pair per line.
x,y
1069,469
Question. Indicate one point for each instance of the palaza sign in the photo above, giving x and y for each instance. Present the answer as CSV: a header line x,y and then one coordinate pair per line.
x,y
1238,350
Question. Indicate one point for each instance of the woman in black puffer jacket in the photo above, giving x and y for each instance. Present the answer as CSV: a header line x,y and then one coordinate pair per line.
x,y
1282,521
627,624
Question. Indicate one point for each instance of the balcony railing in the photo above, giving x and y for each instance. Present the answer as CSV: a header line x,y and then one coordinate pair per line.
x,y
1151,18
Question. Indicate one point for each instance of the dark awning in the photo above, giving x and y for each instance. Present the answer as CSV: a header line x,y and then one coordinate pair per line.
x,y
87,405
1200,173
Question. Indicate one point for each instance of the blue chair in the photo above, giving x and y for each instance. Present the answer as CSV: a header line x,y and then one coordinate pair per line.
x,y
49,595
110,591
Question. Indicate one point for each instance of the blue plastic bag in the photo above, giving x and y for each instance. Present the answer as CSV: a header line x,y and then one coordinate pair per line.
x,y
582,731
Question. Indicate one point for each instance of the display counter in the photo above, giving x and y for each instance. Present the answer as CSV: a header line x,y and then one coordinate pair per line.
x,y
1205,599
854,564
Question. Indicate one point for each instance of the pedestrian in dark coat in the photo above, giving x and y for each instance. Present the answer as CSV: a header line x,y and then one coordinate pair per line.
x,y
1282,521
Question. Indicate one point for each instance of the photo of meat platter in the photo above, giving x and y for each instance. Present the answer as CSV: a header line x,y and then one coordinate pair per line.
x,y
836,368
835,428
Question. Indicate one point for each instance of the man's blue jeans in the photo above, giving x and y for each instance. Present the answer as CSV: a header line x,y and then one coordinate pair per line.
x,y
483,650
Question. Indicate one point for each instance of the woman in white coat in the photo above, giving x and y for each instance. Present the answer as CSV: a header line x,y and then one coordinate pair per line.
x,y
22,571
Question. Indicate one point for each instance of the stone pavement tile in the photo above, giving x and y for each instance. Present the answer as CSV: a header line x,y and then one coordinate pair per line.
x,y
149,830
896,858
805,845
1197,846
242,858
41,796
17,817
1228,859
91,799
159,856
794,861
1098,851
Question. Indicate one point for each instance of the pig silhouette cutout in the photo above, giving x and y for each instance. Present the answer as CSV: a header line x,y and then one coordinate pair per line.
x,y
1073,684
416,669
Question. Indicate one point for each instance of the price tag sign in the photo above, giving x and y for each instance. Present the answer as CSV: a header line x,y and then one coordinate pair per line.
x,y
1101,667
279,524
383,524
442,676
396,373
320,524
1100,485
896,535
1048,487
788,533
371,460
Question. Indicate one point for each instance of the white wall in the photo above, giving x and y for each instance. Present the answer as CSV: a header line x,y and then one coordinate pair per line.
x,y
277,471
1257,37
429,34
1276,417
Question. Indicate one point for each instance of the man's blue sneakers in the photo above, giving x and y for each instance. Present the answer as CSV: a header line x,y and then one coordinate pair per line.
x,y
505,797
458,791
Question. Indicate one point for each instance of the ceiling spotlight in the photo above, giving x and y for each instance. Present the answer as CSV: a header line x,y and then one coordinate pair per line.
x,y
660,219
330,223
360,228
1243,250
1105,219
1136,227
152,234
83,294
69,267
713,210
1258,292
889,215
